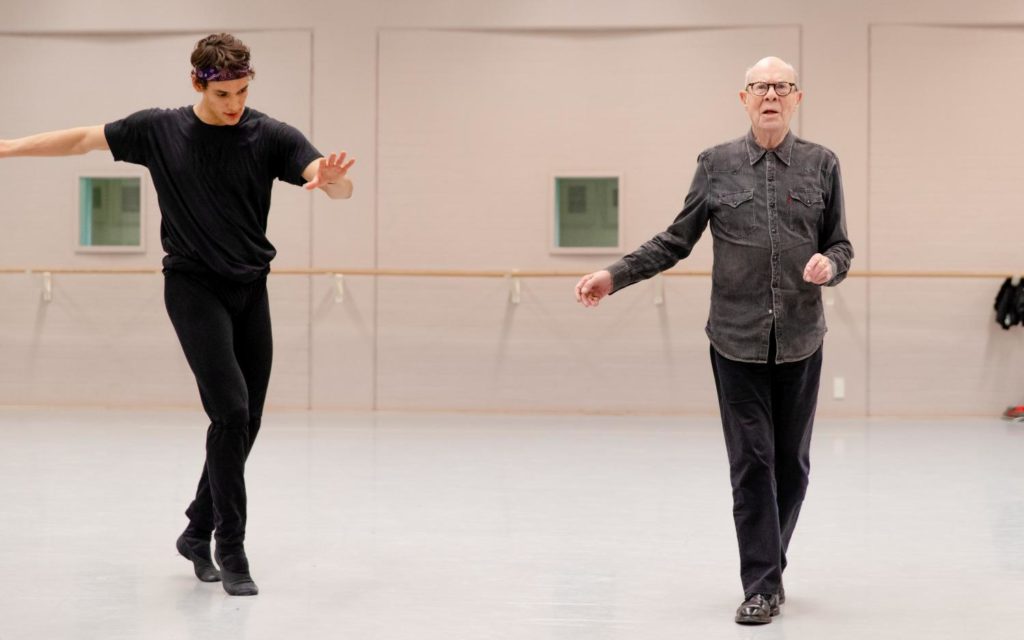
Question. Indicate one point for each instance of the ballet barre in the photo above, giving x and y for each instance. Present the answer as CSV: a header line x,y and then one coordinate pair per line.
x,y
514,276
494,273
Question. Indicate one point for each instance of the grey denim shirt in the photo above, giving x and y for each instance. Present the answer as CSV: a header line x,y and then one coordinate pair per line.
x,y
770,211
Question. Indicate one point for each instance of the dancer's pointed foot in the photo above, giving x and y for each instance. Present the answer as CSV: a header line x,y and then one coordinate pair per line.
x,y
198,552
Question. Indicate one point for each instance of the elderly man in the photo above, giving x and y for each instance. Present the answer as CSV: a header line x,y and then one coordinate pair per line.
x,y
775,206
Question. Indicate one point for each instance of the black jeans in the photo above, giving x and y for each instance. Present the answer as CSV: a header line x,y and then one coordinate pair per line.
x,y
767,416
224,330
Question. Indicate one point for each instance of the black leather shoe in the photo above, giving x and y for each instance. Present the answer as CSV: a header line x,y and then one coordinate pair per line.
x,y
198,552
782,594
234,573
758,609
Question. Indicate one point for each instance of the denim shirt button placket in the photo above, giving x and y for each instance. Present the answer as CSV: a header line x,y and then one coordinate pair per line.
x,y
773,230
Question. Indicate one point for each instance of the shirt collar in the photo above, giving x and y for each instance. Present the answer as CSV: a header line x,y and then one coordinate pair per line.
x,y
783,152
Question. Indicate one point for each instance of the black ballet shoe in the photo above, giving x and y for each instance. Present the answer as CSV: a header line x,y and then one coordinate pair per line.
x,y
234,572
198,552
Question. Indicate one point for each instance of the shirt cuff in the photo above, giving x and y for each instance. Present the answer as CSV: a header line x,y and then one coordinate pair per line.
x,y
620,276
835,279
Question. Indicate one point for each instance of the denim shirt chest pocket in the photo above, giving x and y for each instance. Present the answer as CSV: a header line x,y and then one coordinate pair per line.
x,y
734,214
807,202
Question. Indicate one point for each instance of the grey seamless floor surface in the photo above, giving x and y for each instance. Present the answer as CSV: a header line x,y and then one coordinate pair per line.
x,y
465,527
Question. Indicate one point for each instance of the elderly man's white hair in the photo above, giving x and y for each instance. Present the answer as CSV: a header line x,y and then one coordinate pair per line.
x,y
767,62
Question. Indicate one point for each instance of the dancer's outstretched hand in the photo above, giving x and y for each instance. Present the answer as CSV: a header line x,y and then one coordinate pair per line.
x,y
330,170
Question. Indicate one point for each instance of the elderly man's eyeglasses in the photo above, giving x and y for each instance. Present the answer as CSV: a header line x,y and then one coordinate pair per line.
x,y
761,88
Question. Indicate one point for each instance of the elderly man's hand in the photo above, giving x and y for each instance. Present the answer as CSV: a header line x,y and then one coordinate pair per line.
x,y
592,287
818,270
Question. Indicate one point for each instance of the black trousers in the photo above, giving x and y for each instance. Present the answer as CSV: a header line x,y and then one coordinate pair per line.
x,y
767,416
224,330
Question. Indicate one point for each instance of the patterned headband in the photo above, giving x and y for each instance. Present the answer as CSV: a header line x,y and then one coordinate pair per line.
x,y
212,74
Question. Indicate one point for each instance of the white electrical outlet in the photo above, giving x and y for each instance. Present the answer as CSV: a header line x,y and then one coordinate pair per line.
x,y
838,387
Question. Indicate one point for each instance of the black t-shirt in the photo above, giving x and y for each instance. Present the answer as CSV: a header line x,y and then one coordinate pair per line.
x,y
213,183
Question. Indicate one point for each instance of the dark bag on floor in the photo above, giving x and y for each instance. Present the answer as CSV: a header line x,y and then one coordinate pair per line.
x,y
1007,305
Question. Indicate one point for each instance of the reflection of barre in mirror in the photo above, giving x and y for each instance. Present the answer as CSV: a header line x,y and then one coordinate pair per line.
x,y
774,203
213,165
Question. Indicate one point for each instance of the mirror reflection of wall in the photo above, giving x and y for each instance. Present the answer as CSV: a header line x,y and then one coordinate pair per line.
x,y
587,212
110,213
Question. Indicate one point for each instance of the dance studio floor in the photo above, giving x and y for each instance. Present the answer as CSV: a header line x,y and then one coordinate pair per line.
x,y
473,527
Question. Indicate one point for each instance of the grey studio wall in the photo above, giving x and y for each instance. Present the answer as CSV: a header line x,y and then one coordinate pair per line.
x,y
460,113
